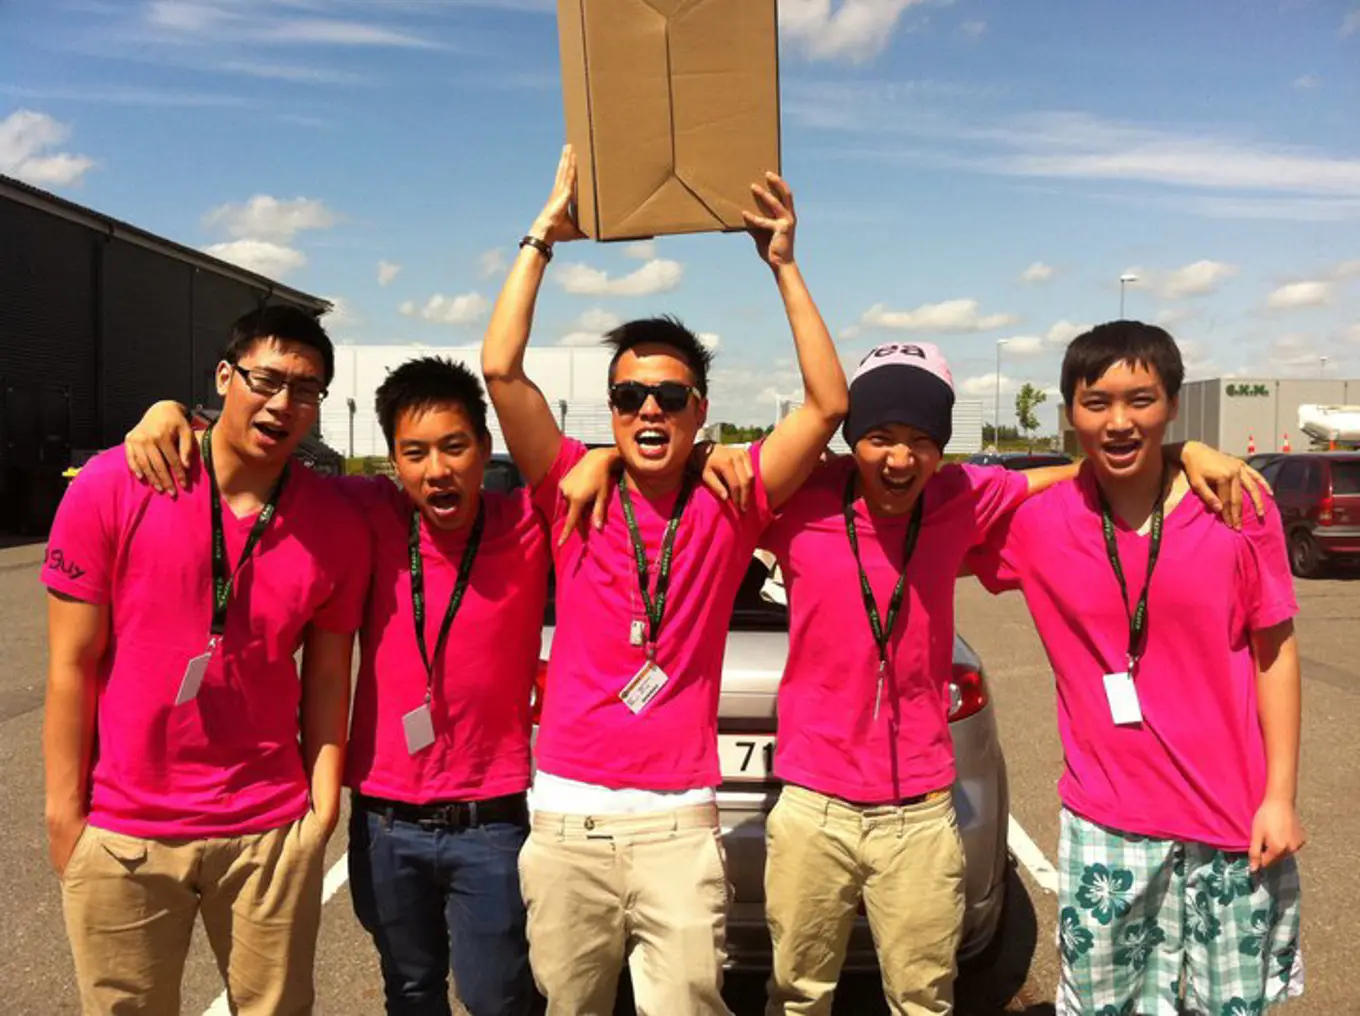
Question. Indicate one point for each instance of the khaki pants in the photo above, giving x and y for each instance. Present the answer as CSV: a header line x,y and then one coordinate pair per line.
x,y
649,888
906,863
130,905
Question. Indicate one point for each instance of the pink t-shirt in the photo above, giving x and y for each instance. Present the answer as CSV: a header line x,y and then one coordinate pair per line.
x,y
586,732
484,676
1195,769
828,739
229,761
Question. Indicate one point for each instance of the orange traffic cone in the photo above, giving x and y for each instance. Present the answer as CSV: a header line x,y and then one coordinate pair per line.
x,y
1284,445
1251,444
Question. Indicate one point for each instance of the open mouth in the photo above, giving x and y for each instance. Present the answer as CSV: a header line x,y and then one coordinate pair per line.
x,y
1121,453
443,503
271,431
898,486
653,443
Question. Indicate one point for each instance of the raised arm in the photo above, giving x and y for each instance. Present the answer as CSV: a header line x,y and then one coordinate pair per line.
x,y
77,635
531,431
789,455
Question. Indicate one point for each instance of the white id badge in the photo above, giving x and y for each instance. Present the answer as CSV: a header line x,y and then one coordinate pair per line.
x,y
1123,697
419,727
644,686
193,676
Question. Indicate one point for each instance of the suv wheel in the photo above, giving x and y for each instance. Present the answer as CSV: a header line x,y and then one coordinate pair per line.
x,y
1305,560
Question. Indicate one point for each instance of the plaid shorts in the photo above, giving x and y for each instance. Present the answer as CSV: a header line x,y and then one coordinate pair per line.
x,y
1149,927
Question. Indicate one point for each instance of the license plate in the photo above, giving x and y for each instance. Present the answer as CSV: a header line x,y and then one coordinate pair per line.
x,y
746,758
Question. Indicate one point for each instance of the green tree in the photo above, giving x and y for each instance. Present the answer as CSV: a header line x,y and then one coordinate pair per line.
x,y
1027,400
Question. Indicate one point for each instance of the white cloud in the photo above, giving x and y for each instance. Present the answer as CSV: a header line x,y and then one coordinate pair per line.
x,y
341,317
1037,272
1025,346
26,142
590,327
1346,270
1195,279
449,310
710,340
268,218
1352,334
854,31
950,316
269,259
1065,331
643,250
1300,294
985,384
658,276
1351,23
188,21
491,263
1306,82
387,271
1295,352
974,29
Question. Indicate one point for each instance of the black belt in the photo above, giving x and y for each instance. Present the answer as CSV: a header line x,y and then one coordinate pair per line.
x,y
512,809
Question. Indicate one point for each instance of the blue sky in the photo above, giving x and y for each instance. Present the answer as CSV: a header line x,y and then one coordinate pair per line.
x,y
966,171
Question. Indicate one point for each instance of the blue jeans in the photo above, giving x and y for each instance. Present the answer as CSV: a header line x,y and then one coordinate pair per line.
x,y
435,899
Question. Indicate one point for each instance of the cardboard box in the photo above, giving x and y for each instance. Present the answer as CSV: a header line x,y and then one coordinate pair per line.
x,y
672,107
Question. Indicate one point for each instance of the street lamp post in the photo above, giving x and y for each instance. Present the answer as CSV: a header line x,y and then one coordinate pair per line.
x,y
352,407
996,425
1124,280
1322,370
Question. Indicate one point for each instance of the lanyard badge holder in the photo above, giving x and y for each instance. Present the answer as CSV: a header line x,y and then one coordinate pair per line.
x,y
882,632
223,578
644,686
418,724
1120,690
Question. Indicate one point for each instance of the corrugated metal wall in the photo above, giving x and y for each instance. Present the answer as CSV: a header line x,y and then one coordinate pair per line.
x,y
48,401
145,355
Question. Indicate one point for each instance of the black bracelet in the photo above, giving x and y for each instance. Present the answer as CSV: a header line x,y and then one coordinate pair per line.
x,y
541,246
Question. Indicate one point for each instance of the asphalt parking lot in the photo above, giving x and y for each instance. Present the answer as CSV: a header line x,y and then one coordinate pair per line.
x,y
35,969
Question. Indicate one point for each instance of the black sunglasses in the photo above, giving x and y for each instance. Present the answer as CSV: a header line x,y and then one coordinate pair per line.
x,y
631,396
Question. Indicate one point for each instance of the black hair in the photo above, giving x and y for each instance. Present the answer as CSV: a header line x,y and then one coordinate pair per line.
x,y
284,323
424,383
663,331
1092,353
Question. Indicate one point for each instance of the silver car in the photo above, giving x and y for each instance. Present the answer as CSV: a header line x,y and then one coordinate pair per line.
x,y
757,646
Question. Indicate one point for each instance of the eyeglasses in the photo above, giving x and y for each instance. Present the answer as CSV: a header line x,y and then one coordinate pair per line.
x,y
269,383
631,396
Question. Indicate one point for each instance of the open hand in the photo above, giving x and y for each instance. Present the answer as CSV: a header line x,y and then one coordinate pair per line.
x,y
773,228
1220,480
160,448
557,222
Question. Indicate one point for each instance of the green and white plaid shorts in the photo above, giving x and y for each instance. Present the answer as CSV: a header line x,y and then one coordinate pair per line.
x,y
1151,927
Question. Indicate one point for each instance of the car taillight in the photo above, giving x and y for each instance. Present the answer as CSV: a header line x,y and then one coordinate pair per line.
x,y
1325,507
967,693
536,698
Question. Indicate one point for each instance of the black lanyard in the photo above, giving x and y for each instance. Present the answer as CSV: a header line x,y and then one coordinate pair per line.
x,y
223,580
1138,616
656,608
460,587
882,633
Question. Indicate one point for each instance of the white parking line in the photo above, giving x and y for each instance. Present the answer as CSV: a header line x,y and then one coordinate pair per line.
x,y
1027,852
335,878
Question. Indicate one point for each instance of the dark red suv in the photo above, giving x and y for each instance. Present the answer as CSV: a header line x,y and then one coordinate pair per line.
x,y
1319,498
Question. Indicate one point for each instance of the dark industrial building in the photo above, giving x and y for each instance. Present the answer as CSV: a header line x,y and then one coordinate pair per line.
x,y
97,320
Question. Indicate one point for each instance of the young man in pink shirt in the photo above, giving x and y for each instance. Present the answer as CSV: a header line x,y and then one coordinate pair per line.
x,y
624,861
1172,642
189,769
869,549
